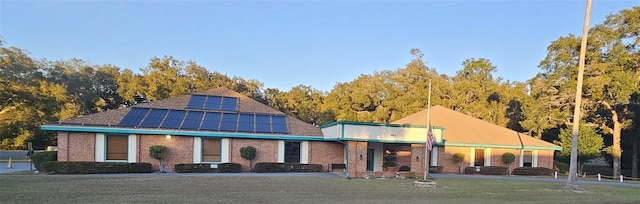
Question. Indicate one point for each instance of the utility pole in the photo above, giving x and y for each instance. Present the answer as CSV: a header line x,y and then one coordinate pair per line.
x,y
572,181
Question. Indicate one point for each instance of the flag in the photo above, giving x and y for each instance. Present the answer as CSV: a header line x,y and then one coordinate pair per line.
x,y
430,138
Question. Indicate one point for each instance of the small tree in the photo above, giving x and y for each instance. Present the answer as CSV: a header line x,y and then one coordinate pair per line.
x,y
248,153
590,144
508,158
459,158
159,152
390,159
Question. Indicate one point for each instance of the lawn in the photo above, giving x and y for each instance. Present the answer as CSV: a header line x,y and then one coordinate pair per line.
x,y
15,188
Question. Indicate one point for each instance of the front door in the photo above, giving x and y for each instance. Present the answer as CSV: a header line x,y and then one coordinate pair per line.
x,y
370,159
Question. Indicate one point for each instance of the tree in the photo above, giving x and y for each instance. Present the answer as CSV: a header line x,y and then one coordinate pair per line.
x,y
159,153
590,144
508,158
248,153
459,159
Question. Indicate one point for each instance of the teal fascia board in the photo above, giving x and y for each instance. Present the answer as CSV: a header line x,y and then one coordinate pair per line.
x,y
177,132
376,124
381,141
501,146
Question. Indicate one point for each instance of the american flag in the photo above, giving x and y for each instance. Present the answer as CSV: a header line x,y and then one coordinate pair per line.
x,y
430,138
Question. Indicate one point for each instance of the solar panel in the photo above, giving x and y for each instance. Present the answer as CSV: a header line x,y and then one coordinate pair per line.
x,y
173,119
134,117
196,102
246,123
211,121
263,123
229,104
212,103
279,124
192,120
229,122
154,118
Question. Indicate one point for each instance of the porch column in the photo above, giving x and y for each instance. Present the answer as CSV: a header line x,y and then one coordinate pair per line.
x,y
357,158
417,159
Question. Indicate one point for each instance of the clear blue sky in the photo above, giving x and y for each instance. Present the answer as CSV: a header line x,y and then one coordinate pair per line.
x,y
288,43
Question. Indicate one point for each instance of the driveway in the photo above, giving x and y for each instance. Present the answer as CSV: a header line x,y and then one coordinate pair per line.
x,y
17,166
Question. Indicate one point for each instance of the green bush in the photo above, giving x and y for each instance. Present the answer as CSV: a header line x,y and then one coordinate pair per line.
x,y
63,167
508,158
194,168
436,169
266,167
470,170
493,170
42,157
229,168
562,167
533,171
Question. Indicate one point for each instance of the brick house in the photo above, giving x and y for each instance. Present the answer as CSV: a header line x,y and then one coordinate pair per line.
x,y
212,126
481,142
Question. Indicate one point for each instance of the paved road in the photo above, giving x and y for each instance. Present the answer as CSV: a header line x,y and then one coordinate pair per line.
x,y
17,166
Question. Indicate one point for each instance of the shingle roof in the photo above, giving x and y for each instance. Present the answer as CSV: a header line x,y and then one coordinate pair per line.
x,y
245,105
464,129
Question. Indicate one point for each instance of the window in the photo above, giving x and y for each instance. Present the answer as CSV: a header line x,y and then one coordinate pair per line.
x,y
527,158
291,152
211,150
117,147
479,157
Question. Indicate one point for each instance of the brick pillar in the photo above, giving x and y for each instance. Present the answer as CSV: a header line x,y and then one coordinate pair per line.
x,y
357,166
417,167
63,139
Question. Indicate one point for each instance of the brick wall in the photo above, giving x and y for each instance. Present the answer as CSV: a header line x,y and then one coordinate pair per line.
x,y
326,153
76,146
357,167
180,150
266,151
545,158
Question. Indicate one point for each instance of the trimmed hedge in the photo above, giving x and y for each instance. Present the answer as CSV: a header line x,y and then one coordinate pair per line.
x,y
436,169
229,168
41,157
269,167
64,167
194,168
487,170
493,170
532,171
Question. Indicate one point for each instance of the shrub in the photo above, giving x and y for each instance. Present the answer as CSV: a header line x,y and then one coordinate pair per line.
x,y
562,167
493,170
470,170
459,158
436,169
229,168
158,152
508,158
266,167
63,167
42,157
194,168
532,171
248,153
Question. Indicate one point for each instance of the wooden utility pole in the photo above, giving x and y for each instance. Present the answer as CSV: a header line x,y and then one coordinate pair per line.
x,y
572,181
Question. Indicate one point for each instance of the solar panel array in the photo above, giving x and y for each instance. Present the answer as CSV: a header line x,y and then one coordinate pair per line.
x,y
205,120
203,102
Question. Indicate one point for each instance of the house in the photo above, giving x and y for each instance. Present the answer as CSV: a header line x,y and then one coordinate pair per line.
x,y
483,143
211,127
206,127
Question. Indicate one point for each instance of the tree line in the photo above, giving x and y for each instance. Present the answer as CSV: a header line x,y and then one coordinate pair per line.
x,y
37,91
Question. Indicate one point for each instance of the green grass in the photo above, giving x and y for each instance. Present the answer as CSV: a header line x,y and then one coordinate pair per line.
x,y
20,188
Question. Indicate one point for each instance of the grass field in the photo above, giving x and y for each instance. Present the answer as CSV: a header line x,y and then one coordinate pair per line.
x,y
15,188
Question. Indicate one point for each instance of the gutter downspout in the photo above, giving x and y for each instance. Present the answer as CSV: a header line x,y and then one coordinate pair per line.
x,y
521,149
346,155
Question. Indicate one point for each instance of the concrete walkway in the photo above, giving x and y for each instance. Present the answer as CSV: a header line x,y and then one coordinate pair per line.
x,y
539,178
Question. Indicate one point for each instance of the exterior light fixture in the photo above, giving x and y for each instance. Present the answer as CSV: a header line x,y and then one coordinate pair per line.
x,y
360,156
417,158
168,136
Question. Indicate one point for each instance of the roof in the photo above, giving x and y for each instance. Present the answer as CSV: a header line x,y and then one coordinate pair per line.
x,y
465,130
113,118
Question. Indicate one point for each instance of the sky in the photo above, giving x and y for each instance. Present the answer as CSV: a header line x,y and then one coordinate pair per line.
x,y
289,43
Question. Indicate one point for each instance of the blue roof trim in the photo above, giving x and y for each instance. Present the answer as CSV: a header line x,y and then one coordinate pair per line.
x,y
501,146
178,132
346,122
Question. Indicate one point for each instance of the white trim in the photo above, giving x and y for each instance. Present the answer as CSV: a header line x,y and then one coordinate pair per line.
x,y
224,150
197,150
472,157
534,159
487,157
99,148
131,148
304,152
434,156
521,163
280,151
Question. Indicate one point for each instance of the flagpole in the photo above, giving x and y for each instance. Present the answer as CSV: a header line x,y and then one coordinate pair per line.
x,y
426,141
